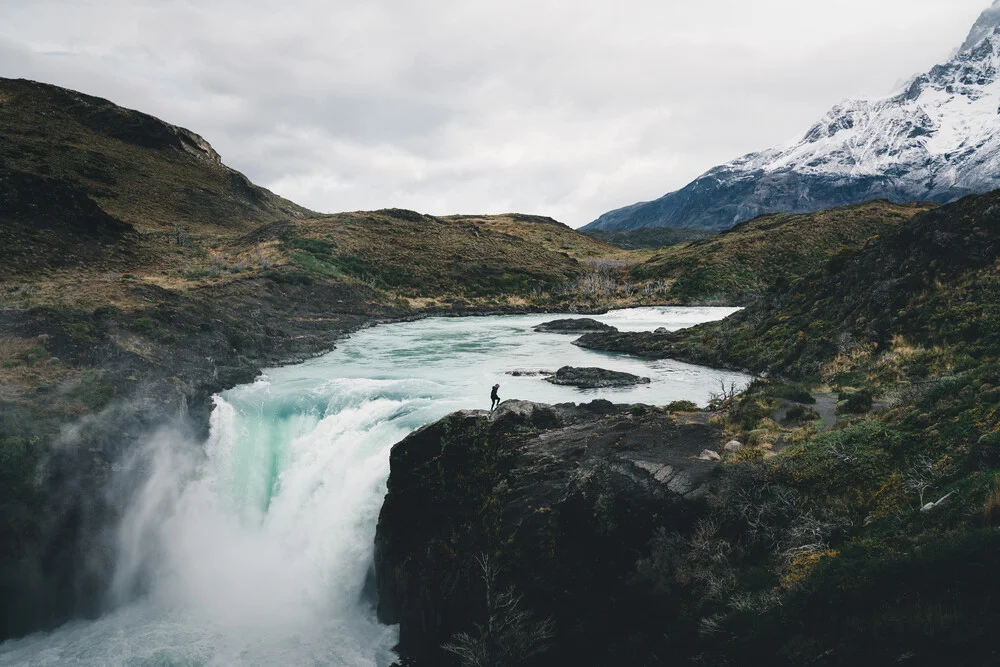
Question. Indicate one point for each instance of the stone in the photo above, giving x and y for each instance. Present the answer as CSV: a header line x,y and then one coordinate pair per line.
x,y
662,330
709,455
594,378
575,326
733,446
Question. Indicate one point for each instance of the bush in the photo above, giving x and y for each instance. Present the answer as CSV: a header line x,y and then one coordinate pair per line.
x,y
799,414
143,325
854,401
312,246
682,406
789,392
751,411
289,278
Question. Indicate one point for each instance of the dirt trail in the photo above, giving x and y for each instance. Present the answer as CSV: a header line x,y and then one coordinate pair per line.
x,y
826,406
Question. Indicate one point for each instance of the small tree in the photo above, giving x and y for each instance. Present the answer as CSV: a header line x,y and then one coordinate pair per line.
x,y
717,400
921,477
511,634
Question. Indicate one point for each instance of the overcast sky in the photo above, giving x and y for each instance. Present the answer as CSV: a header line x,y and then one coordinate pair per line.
x,y
567,108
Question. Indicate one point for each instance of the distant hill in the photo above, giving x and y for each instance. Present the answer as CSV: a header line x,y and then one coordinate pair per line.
x,y
740,264
936,139
109,200
86,182
647,237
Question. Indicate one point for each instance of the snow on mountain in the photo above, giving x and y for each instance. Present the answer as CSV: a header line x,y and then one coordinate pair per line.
x,y
936,139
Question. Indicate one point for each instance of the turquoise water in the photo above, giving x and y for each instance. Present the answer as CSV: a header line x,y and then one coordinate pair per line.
x,y
253,548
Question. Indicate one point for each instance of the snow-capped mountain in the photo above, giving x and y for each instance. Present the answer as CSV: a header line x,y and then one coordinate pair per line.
x,y
935,139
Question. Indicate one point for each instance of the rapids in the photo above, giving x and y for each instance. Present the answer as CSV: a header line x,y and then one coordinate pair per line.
x,y
255,547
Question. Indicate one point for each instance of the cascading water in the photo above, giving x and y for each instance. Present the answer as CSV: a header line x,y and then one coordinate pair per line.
x,y
255,547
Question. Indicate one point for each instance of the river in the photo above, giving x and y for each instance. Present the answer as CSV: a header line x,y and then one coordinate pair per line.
x,y
255,547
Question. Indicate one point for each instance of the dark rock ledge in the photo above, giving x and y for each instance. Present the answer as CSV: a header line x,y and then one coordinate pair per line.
x,y
564,498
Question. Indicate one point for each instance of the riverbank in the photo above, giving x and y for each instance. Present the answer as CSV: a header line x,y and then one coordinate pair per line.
x,y
87,385
282,498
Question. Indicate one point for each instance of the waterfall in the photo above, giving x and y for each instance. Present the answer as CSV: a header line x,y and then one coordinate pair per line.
x,y
255,547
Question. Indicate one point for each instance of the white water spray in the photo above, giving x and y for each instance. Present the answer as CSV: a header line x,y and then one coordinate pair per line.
x,y
254,548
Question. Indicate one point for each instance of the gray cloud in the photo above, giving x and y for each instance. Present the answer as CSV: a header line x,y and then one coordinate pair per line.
x,y
554,107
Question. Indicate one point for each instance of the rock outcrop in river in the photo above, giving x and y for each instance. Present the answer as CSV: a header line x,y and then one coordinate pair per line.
x,y
595,378
564,499
575,326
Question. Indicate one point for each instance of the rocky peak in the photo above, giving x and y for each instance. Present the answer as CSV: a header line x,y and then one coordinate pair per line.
x,y
935,139
987,24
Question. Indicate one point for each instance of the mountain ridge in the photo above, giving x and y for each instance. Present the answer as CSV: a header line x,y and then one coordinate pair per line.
x,y
936,139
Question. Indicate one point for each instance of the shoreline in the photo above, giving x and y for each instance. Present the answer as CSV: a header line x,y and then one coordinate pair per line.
x,y
194,347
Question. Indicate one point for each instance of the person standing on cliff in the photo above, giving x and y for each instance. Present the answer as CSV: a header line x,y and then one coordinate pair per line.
x,y
494,397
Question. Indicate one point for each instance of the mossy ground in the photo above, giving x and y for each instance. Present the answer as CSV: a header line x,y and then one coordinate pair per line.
x,y
742,263
830,544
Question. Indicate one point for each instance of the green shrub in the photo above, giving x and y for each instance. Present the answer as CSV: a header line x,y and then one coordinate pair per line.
x,y
791,392
143,325
854,401
751,411
799,414
290,278
312,246
313,264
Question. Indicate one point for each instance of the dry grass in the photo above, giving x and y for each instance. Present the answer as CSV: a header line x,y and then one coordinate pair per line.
x,y
25,365
14,348
756,254
801,565
198,224
551,236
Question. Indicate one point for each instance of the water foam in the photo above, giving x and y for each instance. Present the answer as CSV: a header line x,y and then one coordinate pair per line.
x,y
254,547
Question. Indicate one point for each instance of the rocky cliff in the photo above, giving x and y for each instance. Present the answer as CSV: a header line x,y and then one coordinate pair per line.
x,y
563,499
857,525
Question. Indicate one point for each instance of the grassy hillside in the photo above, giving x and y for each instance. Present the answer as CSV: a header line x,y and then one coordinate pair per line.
x,y
85,183
648,237
100,202
740,264
545,233
145,172
525,258
867,535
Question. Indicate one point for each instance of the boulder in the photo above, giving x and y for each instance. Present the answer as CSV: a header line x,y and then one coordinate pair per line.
x,y
526,414
595,378
662,330
709,455
578,325
733,446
